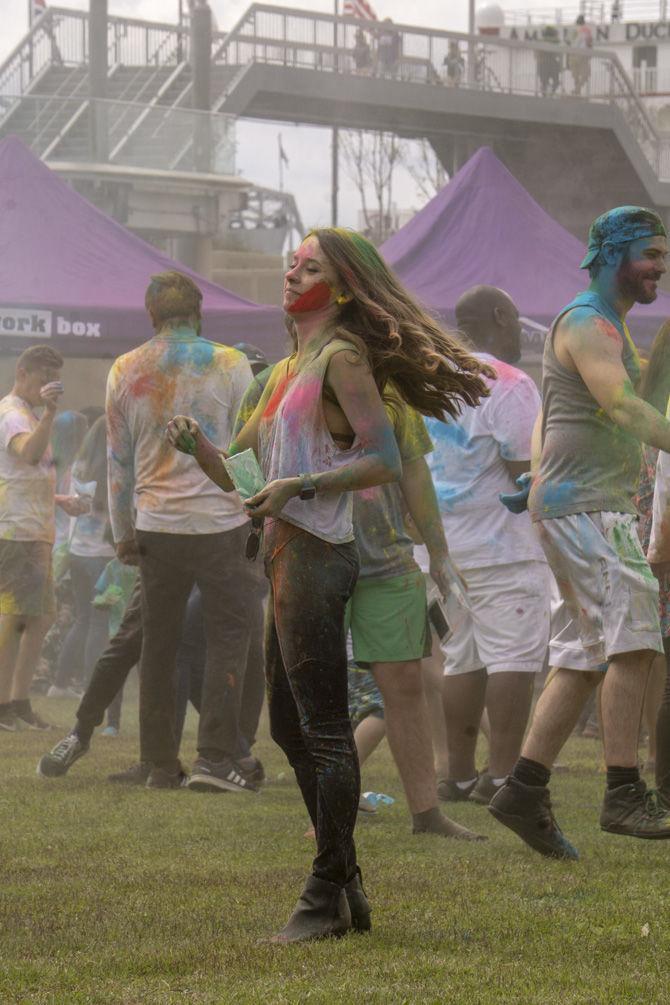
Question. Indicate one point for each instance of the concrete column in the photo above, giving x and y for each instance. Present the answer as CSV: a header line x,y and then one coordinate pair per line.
x,y
201,64
97,78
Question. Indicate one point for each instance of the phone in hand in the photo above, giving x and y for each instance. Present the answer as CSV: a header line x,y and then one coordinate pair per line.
x,y
438,619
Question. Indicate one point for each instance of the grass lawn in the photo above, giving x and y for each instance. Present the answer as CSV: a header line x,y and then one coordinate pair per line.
x,y
132,896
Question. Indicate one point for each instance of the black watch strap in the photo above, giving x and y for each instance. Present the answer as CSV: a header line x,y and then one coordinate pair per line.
x,y
307,487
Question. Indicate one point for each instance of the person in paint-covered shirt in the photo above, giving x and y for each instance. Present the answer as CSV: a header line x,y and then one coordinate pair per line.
x,y
27,527
185,530
387,612
586,465
320,432
491,658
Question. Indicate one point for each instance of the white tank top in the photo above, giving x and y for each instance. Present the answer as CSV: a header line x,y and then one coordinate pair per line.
x,y
294,439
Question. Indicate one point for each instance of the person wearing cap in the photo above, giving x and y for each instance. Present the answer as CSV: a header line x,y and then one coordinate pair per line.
x,y
585,466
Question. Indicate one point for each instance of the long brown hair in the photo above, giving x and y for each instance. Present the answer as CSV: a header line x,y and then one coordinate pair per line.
x,y
655,382
430,370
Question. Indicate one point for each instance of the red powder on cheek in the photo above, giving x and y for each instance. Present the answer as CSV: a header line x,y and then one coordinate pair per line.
x,y
316,298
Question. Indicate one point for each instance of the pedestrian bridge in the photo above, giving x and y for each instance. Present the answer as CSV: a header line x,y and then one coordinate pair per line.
x,y
576,134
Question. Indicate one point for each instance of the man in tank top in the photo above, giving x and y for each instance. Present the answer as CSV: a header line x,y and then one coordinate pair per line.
x,y
586,459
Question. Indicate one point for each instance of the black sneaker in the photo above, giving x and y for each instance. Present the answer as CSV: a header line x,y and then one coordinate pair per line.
x,y
449,792
484,791
27,718
160,778
219,776
61,758
526,809
636,811
252,769
136,774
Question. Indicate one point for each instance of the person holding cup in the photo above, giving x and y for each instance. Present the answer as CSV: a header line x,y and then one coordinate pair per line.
x,y
27,528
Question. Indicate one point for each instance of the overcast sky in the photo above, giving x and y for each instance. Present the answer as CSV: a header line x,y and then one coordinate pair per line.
x,y
308,148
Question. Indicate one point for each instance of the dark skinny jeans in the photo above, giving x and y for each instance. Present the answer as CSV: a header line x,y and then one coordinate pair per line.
x,y
306,671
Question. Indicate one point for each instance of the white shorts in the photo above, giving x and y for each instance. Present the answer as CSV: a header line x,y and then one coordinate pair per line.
x,y
609,596
508,628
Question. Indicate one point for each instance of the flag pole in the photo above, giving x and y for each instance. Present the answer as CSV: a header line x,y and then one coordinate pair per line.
x,y
335,143
281,162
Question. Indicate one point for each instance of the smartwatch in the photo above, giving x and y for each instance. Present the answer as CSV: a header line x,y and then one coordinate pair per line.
x,y
307,487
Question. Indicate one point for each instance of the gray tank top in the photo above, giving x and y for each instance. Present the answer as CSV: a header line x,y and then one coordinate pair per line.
x,y
589,464
294,439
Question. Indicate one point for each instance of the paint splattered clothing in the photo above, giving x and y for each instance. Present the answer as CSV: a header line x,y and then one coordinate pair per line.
x,y
507,627
385,547
306,671
88,532
469,472
609,596
388,619
588,464
173,373
252,396
365,698
26,490
294,439
644,502
26,581
113,591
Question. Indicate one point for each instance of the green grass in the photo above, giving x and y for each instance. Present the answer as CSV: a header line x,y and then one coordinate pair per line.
x,y
133,896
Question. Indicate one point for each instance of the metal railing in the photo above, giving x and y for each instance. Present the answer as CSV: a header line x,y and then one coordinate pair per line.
x,y
59,37
595,11
299,39
135,135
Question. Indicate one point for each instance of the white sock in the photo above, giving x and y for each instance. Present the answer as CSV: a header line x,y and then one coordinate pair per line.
x,y
466,785
499,781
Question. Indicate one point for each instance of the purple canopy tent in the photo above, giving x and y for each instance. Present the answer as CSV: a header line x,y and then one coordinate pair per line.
x,y
483,227
72,277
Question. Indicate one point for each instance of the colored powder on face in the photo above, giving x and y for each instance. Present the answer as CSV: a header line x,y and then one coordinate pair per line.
x,y
313,300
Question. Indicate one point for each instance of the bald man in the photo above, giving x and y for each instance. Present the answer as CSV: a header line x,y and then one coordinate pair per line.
x,y
491,659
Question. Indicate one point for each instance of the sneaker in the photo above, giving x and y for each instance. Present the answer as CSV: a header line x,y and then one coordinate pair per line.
x,y
484,790
27,718
217,776
8,719
61,758
160,778
136,774
449,792
636,811
252,769
526,809
110,731
63,692
366,805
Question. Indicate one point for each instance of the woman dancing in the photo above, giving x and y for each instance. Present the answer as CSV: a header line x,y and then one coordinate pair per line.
x,y
320,432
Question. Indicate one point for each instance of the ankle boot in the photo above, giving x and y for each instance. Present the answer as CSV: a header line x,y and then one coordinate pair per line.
x,y
322,911
358,903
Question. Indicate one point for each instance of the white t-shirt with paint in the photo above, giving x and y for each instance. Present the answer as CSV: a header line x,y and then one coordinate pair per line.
x,y
469,471
171,374
26,490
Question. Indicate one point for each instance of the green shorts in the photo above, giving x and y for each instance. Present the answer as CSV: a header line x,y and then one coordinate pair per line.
x,y
388,619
